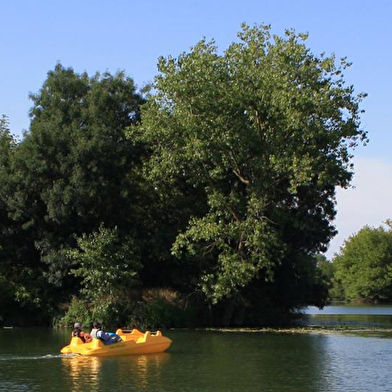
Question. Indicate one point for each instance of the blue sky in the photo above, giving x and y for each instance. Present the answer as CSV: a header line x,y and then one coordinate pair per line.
x,y
130,35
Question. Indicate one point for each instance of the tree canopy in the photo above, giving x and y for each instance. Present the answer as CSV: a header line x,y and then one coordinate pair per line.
x,y
364,265
73,171
264,132
216,190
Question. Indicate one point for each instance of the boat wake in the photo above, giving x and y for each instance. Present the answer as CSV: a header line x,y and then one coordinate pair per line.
x,y
32,357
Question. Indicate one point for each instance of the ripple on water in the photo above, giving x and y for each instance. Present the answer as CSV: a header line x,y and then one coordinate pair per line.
x,y
14,387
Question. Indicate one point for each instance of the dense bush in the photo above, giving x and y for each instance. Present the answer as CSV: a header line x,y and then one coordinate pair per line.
x,y
153,309
162,308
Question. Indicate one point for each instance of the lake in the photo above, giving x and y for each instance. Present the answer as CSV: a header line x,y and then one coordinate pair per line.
x,y
351,316
208,361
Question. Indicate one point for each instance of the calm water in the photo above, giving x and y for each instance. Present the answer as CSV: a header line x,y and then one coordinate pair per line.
x,y
377,310
202,361
361,316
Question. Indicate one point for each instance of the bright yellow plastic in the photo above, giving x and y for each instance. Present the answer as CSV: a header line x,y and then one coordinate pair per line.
x,y
135,342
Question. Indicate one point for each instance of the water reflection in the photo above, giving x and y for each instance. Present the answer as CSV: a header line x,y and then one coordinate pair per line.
x,y
142,371
137,371
81,371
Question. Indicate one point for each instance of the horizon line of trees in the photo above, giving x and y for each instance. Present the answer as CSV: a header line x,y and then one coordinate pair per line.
x,y
204,201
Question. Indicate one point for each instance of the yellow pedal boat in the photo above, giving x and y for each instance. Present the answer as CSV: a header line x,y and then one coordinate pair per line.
x,y
135,342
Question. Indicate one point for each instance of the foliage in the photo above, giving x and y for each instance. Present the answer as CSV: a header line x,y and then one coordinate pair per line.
x,y
74,168
364,265
7,142
7,147
263,134
328,271
107,264
6,296
23,298
161,308
78,311
157,308
110,312
22,287
223,194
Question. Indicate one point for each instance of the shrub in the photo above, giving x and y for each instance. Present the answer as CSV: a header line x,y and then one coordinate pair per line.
x,y
77,311
161,308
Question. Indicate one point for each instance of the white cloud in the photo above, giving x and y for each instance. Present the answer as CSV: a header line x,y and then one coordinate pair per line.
x,y
368,203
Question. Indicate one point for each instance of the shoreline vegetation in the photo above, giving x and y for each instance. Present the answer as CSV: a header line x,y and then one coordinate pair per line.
x,y
206,199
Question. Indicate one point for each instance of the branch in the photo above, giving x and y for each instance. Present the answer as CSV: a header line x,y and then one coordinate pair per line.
x,y
242,179
209,248
237,170
236,217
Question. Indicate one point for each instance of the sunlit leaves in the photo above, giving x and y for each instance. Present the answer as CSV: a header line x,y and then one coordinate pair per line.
x,y
364,265
265,130
107,264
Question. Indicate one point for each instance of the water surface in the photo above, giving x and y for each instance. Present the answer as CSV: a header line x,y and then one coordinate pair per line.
x,y
350,316
379,310
201,361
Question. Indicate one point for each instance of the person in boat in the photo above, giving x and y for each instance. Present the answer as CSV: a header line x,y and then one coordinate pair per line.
x,y
77,332
106,337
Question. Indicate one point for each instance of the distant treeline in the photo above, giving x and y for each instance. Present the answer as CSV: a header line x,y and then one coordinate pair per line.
x,y
362,270
203,200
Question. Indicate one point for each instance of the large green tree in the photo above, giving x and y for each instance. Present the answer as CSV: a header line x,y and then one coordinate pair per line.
x,y
21,283
364,265
7,144
73,170
7,148
262,133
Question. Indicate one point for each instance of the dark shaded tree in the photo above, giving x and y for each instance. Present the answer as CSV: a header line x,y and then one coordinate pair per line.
x,y
74,170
